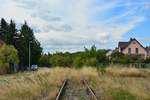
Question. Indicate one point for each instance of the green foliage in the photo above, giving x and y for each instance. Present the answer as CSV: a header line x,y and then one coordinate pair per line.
x,y
8,55
8,31
119,58
91,62
44,61
23,46
90,57
20,40
78,62
60,59
3,30
116,57
101,57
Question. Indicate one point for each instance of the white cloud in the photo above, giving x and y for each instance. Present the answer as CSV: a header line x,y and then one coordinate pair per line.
x,y
71,24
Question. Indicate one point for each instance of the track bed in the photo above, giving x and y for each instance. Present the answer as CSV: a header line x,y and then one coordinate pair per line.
x,y
75,90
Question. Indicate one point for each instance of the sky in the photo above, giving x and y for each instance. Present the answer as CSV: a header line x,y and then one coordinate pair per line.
x,y
71,25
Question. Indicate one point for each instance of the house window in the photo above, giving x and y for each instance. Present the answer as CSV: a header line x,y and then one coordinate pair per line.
x,y
129,50
136,50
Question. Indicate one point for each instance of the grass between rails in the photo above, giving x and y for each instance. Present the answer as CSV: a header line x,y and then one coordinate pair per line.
x,y
110,84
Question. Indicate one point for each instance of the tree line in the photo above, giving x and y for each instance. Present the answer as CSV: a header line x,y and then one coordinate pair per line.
x,y
89,57
20,39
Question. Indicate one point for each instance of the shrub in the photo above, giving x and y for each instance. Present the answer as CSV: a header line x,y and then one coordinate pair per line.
x,y
119,58
91,62
44,61
8,57
60,60
78,62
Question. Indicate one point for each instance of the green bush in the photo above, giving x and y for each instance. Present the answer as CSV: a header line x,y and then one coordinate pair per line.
x,y
60,60
78,62
119,58
91,62
8,56
44,61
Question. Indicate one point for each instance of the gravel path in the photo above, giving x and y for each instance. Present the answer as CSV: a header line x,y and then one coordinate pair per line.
x,y
76,91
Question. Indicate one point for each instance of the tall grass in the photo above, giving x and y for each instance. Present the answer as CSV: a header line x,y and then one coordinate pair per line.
x,y
124,71
122,83
45,84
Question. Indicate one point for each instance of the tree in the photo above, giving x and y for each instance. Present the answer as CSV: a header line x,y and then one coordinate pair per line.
x,y
8,57
8,31
116,57
3,30
60,59
21,40
78,62
12,32
91,62
44,61
90,52
23,47
101,57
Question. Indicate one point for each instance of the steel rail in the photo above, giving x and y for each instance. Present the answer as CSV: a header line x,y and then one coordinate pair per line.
x,y
61,90
90,90
58,97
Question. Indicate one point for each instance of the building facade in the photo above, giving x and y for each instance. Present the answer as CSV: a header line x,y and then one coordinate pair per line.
x,y
133,47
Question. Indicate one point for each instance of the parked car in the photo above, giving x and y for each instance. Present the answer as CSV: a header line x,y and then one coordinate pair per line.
x,y
34,67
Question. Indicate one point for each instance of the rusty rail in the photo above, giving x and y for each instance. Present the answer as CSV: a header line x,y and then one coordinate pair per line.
x,y
90,90
61,90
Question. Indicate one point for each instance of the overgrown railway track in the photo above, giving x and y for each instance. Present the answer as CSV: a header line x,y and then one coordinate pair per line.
x,y
76,90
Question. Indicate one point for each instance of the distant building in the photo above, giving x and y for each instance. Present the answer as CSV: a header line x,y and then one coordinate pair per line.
x,y
133,47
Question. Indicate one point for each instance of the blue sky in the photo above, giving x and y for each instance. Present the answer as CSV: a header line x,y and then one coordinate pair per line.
x,y
69,25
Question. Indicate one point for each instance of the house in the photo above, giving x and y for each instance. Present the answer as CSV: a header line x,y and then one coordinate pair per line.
x,y
133,47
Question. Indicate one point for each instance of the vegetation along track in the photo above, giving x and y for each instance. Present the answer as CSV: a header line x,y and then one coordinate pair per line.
x,y
76,90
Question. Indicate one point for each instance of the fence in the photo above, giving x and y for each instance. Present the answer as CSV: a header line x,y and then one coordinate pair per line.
x,y
139,65
131,65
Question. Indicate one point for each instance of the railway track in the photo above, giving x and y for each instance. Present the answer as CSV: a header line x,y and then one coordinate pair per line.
x,y
76,90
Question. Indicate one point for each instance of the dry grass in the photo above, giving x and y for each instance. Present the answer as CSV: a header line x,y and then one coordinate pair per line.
x,y
122,83
105,86
45,83
36,86
124,71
